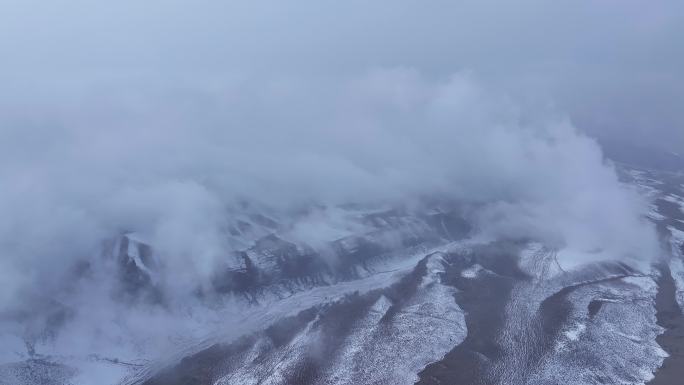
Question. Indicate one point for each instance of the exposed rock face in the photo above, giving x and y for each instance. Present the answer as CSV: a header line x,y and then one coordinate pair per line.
x,y
383,336
395,297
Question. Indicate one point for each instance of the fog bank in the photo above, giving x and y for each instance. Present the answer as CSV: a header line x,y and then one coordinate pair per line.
x,y
172,163
168,118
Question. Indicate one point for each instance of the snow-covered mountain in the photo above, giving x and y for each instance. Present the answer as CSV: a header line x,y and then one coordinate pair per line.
x,y
379,296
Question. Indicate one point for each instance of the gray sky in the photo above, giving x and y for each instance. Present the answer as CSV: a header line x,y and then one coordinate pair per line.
x,y
614,66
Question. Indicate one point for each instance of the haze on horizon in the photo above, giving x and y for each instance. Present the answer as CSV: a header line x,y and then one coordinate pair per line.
x,y
614,67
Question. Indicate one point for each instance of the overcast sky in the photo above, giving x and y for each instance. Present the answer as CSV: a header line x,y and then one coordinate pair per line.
x,y
614,66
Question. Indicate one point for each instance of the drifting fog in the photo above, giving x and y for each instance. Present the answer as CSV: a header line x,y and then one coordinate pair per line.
x,y
172,166
160,117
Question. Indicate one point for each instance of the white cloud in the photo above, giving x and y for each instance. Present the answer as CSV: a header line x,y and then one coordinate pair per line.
x,y
171,164
157,117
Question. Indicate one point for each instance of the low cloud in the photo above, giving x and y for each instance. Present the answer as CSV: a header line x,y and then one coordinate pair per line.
x,y
173,164
162,120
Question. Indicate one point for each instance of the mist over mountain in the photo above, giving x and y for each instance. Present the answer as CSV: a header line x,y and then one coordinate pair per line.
x,y
187,184
174,170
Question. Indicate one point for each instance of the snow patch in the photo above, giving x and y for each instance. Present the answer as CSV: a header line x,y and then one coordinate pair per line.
x,y
574,333
473,271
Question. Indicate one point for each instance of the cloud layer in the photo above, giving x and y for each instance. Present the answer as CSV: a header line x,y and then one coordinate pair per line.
x,y
614,66
161,117
171,164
